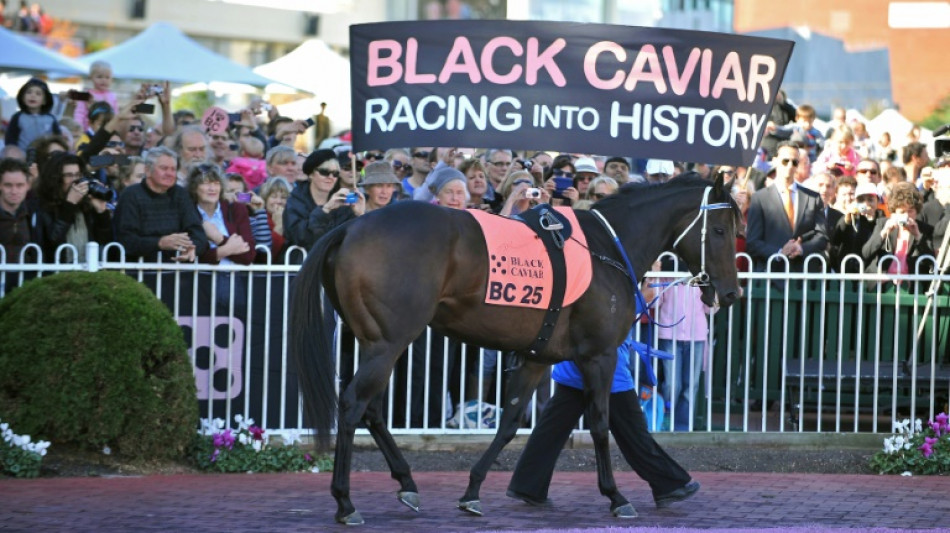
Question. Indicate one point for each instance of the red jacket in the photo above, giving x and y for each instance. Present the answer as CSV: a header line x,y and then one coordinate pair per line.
x,y
238,223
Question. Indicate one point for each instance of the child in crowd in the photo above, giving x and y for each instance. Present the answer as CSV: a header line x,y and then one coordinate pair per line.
x,y
34,118
100,73
250,164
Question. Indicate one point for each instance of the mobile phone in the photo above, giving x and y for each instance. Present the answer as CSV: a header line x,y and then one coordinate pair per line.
x,y
145,109
233,147
234,117
84,96
309,122
30,156
562,183
244,197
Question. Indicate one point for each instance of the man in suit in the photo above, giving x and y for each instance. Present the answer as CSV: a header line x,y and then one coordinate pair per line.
x,y
785,217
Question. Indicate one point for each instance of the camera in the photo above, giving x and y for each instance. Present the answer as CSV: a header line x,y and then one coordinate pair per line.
x,y
155,89
97,189
863,208
901,219
526,164
266,106
243,197
351,198
533,192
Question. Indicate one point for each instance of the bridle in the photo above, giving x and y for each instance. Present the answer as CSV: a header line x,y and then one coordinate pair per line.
x,y
702,277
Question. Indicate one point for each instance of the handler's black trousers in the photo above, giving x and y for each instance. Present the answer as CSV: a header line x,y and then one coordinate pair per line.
x,y
532,476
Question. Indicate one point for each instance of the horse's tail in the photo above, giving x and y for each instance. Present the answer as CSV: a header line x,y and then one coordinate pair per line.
x,y
312,324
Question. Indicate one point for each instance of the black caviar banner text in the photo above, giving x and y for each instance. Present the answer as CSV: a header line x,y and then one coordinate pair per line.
x,y
590,88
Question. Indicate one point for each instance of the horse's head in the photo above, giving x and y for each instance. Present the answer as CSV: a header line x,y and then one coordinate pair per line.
x,y
707,242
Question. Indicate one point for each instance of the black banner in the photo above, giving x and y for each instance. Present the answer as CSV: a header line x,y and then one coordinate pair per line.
x,y
590,88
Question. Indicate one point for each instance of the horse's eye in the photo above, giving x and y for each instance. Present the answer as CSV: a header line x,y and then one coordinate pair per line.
x,y
720,231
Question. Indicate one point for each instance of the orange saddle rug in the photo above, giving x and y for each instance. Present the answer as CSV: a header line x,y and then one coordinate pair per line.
x,y
519,272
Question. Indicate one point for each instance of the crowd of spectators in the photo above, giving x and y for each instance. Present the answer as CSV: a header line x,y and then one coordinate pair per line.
x,y
27,18
75,170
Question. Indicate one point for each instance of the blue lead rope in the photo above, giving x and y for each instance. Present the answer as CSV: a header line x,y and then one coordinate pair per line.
x,y
645,351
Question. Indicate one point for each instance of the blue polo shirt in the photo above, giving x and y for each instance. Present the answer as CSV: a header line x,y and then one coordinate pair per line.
x,y
567,373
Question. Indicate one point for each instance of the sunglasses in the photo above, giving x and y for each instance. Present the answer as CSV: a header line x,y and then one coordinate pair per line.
x,y
421,155
727,172
870,171
584,178
136,128
522,182
558,172
374,156
398,165
794,162
499,164
328,173
115,144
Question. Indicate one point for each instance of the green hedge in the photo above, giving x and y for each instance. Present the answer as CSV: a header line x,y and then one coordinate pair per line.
x,y
97,360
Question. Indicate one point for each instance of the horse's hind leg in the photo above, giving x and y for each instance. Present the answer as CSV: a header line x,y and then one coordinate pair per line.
x,y
521,386
398,467
369,381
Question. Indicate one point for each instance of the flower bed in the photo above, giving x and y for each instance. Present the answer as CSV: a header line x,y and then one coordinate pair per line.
x,y
915,449
248,449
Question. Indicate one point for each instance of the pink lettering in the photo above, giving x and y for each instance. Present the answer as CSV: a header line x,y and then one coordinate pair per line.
x,y
544,60
488,54
730,77
462,49
679,80
377,62
646,57
761,78
590,65
705,67
412,54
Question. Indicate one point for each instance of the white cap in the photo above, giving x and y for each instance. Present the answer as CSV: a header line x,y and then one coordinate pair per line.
x,y
660,166
866,189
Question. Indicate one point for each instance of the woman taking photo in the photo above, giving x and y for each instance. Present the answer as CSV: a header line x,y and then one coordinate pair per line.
x,y
71,210
319,204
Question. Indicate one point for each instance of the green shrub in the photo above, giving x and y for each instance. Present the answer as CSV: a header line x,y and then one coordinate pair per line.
x,y
97,360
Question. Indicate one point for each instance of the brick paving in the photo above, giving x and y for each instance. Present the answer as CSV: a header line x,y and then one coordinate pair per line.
x,y
302,502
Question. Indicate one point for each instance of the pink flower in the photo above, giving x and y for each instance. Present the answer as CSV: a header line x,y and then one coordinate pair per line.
x,y
928,446
214,456
256,432
308,458
224,439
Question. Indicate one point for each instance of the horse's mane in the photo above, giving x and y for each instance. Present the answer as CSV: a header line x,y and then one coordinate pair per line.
x,y
686,181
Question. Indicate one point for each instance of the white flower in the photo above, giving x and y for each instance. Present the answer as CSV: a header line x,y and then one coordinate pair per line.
x,y
906,474
244,439
889,445
238,418
257,445
107,450
315,470
291,437
898,441
918,426
4,427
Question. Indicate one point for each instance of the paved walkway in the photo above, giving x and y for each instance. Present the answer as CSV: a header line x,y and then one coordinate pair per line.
x,y
302,502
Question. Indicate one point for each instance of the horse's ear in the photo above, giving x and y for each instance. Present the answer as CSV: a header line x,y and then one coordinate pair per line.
x,y
719,186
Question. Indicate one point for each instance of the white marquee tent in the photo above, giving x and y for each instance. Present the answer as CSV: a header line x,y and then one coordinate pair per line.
x,y
163,52
316,69
20,53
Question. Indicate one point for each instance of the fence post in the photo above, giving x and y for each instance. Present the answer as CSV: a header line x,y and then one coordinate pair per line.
x,y
92,256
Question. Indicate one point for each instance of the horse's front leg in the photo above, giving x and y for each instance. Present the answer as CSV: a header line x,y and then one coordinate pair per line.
x,y
598,384
520,388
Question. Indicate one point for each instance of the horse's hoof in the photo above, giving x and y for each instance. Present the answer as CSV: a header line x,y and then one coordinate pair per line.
x,y
624,511
474,507
352,519
410,499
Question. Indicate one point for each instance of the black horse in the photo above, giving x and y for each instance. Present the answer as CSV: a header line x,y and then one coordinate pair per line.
x,y
397,270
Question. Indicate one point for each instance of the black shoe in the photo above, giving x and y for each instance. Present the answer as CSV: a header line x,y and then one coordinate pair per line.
x,y
683,493
528,499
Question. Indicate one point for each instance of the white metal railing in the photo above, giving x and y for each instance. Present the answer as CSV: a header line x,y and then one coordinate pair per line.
x,y
803,352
